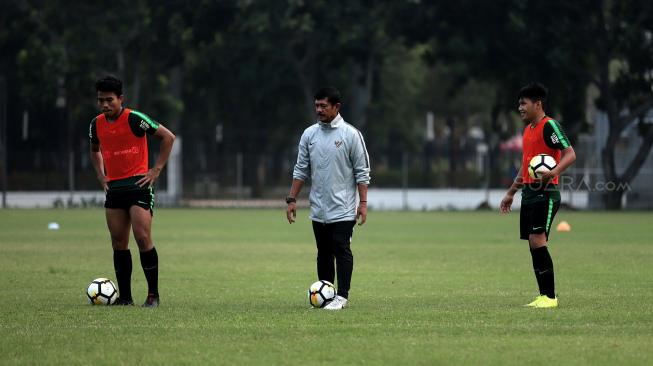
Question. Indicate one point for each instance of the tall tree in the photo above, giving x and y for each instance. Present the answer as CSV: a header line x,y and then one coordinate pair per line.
x,y
567,46
506,44
621,46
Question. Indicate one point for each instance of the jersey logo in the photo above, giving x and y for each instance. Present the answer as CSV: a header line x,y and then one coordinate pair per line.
x,y
554,139
132,150
338,143
144,125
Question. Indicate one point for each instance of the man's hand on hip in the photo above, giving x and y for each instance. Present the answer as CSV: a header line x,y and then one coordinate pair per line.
x,y
148,180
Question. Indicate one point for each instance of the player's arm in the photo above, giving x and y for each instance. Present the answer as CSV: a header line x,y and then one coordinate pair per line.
x,y
360,161
361,214
291,200
141,124
567,158
516,185
167,140
96,155
555,137
301,173
98,165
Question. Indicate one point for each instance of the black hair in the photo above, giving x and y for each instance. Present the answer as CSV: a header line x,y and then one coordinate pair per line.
x,y
110,84
534,91
330,93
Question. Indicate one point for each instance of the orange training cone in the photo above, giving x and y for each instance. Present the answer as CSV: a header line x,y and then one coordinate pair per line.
x,y
563,226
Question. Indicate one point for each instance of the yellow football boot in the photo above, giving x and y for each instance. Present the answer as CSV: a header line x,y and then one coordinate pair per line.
x,y
533,303
546,302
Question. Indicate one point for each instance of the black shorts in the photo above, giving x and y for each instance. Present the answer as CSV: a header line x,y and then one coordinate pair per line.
x,y
537,217
125,199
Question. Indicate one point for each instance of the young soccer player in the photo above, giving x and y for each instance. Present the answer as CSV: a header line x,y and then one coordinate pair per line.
x,y
120,158
540,197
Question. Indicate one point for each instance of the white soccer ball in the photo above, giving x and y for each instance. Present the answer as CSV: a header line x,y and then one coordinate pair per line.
x,y
101,291
540,164
321,293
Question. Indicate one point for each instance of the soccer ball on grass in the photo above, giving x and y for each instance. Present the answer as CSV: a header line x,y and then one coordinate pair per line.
x,y
101,291
540,164
321,293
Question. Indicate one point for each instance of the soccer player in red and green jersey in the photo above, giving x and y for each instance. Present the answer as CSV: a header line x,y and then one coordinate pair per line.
x,y
540,197
120,158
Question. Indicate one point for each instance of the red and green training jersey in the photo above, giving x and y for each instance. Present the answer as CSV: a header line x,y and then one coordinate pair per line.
x,y
546,137
123,143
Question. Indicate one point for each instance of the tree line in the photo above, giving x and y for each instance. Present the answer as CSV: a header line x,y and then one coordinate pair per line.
x,y
239,75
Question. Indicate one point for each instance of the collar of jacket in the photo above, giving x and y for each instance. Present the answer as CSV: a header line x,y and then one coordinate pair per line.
x,y
335,123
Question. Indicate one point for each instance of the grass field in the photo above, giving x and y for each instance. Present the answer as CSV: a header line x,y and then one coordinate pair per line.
x,y
428,288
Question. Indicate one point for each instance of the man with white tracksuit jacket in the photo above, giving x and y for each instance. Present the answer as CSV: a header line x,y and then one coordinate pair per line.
x,y
333,156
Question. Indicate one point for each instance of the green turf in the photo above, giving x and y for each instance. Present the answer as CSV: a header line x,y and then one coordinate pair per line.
x,y
428,288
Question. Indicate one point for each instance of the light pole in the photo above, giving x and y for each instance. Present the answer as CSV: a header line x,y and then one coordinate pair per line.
x,y
3,138
61,107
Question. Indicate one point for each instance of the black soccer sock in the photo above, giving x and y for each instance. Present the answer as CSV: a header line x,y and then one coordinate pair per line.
x,y
150,264
122,263
536,266
543,267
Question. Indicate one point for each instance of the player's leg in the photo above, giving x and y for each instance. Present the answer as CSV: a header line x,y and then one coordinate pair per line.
x,y
525,225
342,233
542,263
543,267
141,218
118,224
325,267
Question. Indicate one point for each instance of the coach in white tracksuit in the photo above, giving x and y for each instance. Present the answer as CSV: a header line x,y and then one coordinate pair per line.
x,y
332,154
